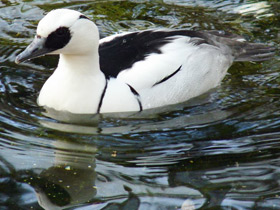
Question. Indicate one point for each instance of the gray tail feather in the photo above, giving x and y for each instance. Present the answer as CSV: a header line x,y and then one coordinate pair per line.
x,y
253,52
240,48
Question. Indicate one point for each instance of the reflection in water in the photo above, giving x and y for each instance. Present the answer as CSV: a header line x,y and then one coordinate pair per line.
x,y
137,122
209,173
144,127
71,182
132,203
173,123
71,179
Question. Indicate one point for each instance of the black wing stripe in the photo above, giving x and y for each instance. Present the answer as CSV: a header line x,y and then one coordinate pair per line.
x,y
168,77
83,17
102,97
137,97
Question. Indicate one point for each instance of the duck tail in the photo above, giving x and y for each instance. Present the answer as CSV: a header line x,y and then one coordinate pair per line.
x,y
253,52
241,49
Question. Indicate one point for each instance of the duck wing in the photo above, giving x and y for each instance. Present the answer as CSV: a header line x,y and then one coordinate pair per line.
x,y
121,52
148,58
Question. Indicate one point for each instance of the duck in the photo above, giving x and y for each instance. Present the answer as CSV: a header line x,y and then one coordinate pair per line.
x,y
131,71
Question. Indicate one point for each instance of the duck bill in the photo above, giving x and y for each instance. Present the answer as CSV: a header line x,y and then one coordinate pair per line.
x,y
35,49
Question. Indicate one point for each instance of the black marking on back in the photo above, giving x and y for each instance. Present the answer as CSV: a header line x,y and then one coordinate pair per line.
x,y
123,51
167,77
102,97
58,39
83,17
137,97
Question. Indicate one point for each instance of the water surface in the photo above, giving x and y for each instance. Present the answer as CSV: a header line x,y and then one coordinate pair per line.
x,y
218,151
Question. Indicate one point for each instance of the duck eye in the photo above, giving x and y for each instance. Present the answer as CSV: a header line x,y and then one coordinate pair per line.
x,y
61,31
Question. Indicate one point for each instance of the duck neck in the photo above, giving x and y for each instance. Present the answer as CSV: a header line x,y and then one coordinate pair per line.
x,y
80,64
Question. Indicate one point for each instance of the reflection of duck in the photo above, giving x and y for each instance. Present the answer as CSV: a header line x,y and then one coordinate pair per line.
x,y
70,181
133,125
58,188
135,71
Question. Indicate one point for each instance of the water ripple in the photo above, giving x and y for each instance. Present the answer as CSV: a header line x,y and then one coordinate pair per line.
x,y
218,151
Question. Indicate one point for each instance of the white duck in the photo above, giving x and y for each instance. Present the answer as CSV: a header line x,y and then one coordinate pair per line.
x,y
131,71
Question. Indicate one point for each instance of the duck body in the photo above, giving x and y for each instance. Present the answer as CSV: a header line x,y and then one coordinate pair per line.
x,y
131,71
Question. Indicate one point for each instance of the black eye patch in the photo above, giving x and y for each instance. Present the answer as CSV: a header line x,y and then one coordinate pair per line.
x,y
62,31
58,39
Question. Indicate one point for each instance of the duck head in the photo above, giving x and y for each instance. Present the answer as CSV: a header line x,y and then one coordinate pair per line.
x,y
62,31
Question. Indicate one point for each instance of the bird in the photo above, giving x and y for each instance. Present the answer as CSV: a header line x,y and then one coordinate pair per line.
x,y
131,71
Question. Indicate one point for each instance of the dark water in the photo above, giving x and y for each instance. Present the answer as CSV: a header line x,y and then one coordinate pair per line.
x,y
220,151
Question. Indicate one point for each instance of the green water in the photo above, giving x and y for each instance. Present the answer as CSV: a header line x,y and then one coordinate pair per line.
x,y
219,151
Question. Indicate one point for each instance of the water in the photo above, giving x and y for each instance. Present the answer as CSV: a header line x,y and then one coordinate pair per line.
x,y
219,151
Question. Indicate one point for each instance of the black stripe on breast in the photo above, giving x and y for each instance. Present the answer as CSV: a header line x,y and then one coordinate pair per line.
x,y
137,97
167,77
102,97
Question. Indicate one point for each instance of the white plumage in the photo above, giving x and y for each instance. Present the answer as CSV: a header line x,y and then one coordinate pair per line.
x,y
131,71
